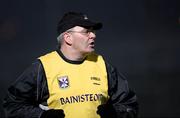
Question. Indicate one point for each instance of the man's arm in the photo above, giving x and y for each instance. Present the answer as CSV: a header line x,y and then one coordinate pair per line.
x,y
21,100
123,101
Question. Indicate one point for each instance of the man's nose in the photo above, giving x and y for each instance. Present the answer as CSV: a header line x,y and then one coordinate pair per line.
x,y
92,35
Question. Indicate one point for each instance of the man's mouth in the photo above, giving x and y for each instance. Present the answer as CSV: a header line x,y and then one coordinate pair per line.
x,y
92,44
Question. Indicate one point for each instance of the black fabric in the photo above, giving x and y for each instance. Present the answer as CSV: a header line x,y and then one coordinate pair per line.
x,y
52,113
122,97
24,96
129,114
72,19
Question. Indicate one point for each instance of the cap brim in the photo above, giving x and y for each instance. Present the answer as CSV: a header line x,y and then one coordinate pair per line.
x,y
90,24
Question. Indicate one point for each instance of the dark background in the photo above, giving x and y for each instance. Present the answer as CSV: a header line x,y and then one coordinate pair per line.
x,y
140,37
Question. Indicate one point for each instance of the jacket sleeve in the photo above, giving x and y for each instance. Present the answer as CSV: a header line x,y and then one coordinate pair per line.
x,y
122,98
23,96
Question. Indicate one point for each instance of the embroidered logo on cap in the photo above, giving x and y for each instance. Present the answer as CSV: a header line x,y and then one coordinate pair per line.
x,y
85,17
63,81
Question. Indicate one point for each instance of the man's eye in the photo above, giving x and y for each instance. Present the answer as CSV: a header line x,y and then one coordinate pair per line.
x,y
87,31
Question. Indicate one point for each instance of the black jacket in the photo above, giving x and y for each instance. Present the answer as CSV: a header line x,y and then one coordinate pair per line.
x,y
30,90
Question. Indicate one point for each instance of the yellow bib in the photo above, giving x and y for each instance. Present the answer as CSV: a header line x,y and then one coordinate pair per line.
x,y
78,89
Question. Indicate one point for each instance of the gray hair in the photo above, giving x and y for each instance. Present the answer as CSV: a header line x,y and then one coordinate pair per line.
x,y
60,38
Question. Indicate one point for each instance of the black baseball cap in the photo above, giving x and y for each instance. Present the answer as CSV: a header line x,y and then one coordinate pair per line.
x,y
72,19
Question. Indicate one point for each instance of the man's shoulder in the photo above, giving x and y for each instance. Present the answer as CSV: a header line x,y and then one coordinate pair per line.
x,y
48,53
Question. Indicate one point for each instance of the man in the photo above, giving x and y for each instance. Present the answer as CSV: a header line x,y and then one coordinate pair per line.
x,y
73,81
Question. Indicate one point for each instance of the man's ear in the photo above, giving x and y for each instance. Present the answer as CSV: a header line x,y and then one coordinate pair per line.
x,y
67,38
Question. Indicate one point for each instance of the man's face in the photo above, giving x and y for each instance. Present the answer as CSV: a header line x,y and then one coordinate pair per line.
x,y
83,40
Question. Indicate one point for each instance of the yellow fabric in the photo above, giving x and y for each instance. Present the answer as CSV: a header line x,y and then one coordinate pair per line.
x,y
86,85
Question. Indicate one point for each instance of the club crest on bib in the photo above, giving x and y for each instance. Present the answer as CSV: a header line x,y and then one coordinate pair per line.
x,y
63,81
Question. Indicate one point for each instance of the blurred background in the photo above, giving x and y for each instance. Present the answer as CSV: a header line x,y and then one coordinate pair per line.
x,y
140,37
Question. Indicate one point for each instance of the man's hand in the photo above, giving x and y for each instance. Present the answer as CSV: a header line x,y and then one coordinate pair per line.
x,y
53,113
106,111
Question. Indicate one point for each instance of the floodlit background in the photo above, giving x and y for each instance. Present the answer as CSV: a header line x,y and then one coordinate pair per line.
x,y
140,37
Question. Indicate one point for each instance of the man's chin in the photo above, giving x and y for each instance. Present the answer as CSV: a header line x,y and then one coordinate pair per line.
x,y
92,50
89,52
